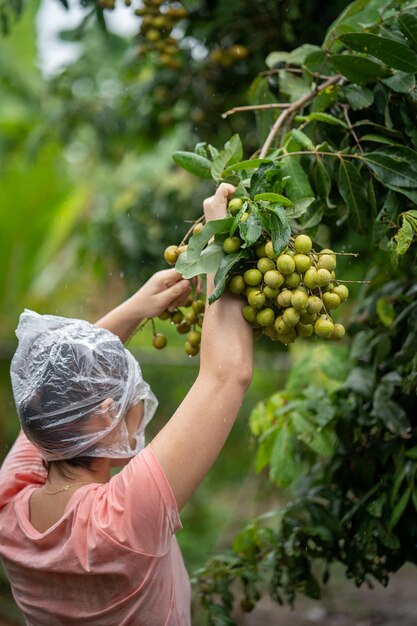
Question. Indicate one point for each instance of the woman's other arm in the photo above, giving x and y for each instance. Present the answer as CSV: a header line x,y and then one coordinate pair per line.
x,y
192,439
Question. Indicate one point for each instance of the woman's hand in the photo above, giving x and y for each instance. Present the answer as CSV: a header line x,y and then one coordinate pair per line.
x,y
215,207
164,290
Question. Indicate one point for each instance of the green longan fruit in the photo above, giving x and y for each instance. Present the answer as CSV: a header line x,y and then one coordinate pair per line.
x,y
310,278
324,327
183,327
274,279
270,332
302,262
304,330
235,205
293,280
302,244
194,337
281,327
231,245
291,316
260,251
171,254
314,304
339,332
326,260
191,349
256,299
244,217
323,278
159,341
198,305
270,292
285,264
269,251
249,313
177,317
299,299
190,317
265,264
284,298
331,300
198,228
237,284
289,337
252,277
342,291
265,317
165,315
307,318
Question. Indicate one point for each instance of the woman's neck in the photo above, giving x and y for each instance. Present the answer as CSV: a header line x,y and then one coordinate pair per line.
x,y
98,472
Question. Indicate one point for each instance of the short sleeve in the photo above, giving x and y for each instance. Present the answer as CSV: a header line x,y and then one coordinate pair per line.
x,y
21,467
139,510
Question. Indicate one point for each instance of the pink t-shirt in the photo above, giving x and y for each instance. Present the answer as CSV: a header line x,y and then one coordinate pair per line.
x,y
111,560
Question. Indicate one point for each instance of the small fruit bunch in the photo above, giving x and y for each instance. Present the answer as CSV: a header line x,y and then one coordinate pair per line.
x,y
188,321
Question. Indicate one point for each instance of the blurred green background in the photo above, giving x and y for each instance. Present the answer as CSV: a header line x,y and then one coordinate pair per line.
x,y
90,197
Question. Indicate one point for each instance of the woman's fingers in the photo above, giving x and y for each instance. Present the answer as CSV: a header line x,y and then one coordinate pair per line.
x,y
215,206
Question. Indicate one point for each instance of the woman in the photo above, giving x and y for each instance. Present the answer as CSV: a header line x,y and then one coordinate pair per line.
x,y
78,545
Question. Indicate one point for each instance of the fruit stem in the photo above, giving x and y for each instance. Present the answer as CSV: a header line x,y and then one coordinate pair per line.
x,y
153,325
188,233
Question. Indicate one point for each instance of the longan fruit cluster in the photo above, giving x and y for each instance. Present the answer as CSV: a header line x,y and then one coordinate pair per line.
x,y
188,321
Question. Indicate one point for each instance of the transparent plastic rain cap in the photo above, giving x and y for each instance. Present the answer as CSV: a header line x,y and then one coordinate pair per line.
x,y
73,384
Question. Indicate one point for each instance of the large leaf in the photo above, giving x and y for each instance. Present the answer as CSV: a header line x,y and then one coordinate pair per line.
x,y
297,186
232,153
266,179
274,221
353,191
322,181
407,22
358,97
197,242
319,116
251,229
355,13
193,163
390,51
250,164
401,82
224,270
393,165
274,197
320,441
283,466
358,69
299,208
207,263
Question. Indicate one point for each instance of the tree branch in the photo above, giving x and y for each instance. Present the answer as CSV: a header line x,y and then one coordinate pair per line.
x,y
256,107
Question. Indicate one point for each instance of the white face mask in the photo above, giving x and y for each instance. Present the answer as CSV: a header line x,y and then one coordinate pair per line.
x,y
63,372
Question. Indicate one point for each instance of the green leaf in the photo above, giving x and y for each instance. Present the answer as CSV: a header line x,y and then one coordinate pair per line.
x,y
358,69
401,82
231,154
407,22
193,163
393,165
302,139
282,464
352,15
387,410
358,97
320,441
275,221
375,507
251,230
273,197
295,57
404,237
379,139
399,508
250,164
225,268
323,181
412,453
353,191
207,263
300,207
260,93
390,51
197,243
385,311
321,117
266,178
297,186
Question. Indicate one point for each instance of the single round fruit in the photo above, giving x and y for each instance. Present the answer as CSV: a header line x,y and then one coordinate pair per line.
x,y
269,251
289,337
281,327
264,264
190,349
270,292
256,299
190,316
339,332
159,341
171,254
299,299
237,284
331,300
323,278
244,217
304,330
302,244
324,327
183,328
284,298
177,317
194,337
231,245
342,291
285,264
307,318
198,228
165,315
310,278
291,316
265,317
274,279
198,306
326,261
235,205
293,280
314,304
252,277
260,250
249,313
302,262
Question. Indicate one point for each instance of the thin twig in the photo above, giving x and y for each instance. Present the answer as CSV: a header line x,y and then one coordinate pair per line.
x,y
345,108
298,104
256,107
188,233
